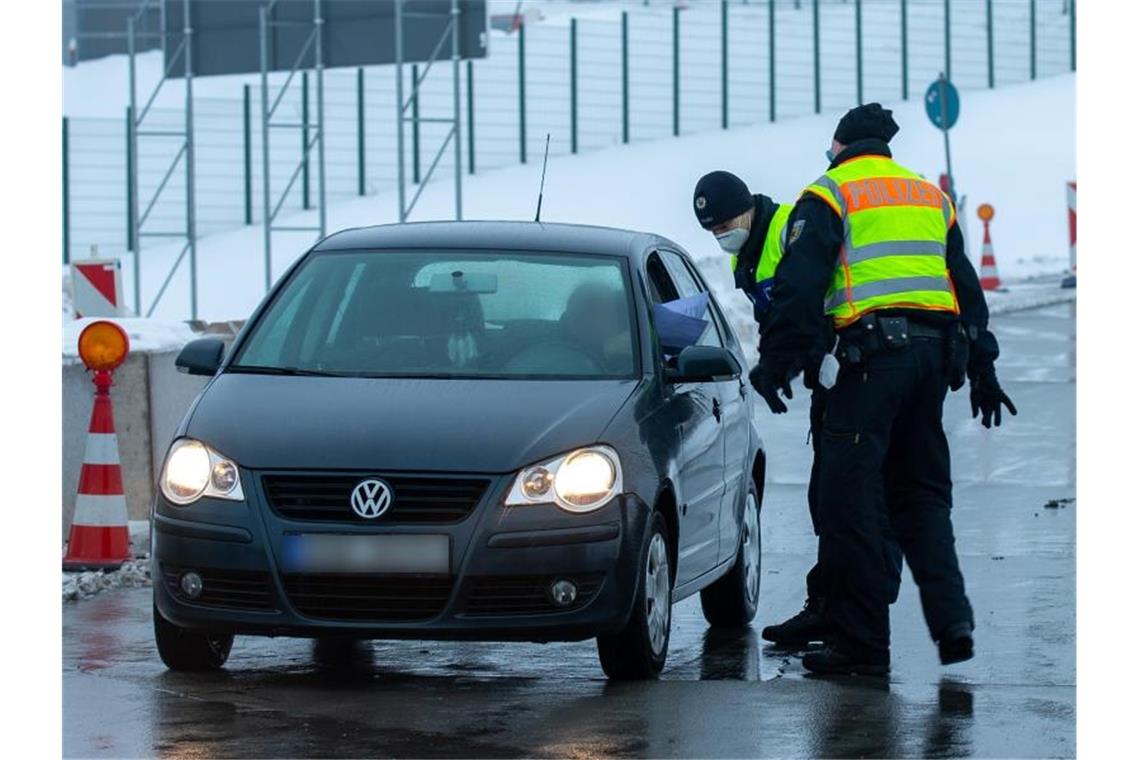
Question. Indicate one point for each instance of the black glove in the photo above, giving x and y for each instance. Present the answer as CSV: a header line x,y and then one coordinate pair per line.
x,y
987,397
767,380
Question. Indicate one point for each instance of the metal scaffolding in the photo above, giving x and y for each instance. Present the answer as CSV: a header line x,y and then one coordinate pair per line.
x,y
402,105
311,136
184,155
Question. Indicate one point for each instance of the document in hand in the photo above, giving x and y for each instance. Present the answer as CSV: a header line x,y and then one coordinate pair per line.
x,y
680,323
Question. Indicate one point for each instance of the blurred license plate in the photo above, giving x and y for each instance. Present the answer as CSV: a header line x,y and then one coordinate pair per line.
x,y
340,553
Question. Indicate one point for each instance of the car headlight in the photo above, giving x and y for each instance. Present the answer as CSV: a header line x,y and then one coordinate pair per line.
x,y
580,481
193,470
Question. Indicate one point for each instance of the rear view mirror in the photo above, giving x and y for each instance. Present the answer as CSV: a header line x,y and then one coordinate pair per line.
x,y
704,364
201,357
463,282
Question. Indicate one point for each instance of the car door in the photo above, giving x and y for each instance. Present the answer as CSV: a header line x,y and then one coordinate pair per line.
x,y
700,486
731,409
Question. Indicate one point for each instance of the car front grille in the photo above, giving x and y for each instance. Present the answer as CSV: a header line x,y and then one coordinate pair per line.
x,y
237,589
368,597
525,594
326,498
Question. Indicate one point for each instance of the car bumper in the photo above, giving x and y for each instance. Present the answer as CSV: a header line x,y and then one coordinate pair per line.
x,y
501,564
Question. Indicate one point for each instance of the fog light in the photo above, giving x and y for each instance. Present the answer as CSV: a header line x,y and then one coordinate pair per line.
x,y
563,592
191,584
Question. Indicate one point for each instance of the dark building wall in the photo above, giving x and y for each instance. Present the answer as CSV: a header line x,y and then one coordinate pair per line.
x,y
95,28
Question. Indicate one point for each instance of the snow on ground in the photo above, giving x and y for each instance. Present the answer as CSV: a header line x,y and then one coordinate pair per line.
x,y
1005,152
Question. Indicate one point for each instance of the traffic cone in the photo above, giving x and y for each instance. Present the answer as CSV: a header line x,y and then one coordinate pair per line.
x,y
100,537
989,273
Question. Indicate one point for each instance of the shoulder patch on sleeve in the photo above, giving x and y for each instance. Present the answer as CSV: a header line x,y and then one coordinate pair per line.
x,y
796,231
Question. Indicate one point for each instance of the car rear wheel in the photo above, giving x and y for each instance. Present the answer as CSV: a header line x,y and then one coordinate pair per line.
x,y
731,602
189,650
638,651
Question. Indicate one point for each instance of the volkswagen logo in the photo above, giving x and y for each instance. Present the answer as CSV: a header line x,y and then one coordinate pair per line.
x,y
371,498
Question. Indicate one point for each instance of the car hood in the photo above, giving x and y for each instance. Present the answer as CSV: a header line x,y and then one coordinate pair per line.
x,y
493,426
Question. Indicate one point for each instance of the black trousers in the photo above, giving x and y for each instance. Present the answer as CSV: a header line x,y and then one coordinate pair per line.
x,y
816,577
884,464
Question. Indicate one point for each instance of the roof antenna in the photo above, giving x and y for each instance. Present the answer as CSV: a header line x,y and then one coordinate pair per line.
x,y
542,184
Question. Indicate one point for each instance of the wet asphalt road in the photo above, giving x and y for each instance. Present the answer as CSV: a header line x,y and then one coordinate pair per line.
x,y
722,694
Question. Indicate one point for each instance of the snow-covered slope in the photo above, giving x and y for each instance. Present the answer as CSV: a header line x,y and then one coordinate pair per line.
x,y
1013,148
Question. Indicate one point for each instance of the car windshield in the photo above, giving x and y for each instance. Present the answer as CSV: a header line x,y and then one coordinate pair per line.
x,y
448,314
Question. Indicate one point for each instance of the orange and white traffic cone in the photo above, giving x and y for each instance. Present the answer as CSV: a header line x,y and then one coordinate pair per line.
x,y
989,273
100,537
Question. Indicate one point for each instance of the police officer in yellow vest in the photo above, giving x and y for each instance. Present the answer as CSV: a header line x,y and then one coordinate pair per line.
x,y
881,247
753,230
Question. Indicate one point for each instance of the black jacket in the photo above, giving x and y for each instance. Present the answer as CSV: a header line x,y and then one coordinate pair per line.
x,y
809,264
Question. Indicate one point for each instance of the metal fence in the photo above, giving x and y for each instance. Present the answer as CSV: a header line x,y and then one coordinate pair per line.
x,y
646,73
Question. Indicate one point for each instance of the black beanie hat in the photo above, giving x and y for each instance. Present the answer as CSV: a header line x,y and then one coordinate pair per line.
x,y
720,196
869,121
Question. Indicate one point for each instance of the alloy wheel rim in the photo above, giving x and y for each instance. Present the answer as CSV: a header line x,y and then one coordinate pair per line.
x,y
657,602
751,550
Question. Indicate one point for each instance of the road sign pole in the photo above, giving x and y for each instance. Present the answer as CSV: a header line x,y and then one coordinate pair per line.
x,y
944,98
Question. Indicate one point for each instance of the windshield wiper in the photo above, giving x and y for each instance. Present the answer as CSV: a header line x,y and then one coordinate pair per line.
x,y
258,369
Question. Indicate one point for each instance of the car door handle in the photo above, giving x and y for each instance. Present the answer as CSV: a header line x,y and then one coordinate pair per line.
x,y
716,409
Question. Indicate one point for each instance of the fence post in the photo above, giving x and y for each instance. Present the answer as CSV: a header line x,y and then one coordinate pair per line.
x,y
66,196
771,60
724,64
415,124
990,42
1032,39
359,130
522,92
815,51
946,29
1072,35
573,85
859,52
247,153
305,140
905,82
470,117
676,71
130,185
624,76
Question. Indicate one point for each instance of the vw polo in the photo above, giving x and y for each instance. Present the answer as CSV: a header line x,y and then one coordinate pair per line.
x,y
464,430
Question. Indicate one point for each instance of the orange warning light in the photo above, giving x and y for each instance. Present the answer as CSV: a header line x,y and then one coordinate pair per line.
x,y
103,345
985,212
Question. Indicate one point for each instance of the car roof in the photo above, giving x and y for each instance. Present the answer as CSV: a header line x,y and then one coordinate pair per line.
x,y
500,235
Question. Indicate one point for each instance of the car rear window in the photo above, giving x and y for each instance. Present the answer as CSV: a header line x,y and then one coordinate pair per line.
x,y
449,314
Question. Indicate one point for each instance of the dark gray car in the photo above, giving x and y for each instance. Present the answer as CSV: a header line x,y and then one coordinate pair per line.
x,y
463,430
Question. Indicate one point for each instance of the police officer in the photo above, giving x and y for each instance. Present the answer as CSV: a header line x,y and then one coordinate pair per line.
x,y
881,247
753,230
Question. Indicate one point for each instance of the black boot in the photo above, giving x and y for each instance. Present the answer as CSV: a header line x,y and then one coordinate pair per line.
x,y
956,644
799,630
832,661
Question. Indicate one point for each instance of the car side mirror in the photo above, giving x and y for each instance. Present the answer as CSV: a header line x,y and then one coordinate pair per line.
x,y
704,364
201,357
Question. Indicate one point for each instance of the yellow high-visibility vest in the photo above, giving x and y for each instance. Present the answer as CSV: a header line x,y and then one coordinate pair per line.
x,y
770,254
894,247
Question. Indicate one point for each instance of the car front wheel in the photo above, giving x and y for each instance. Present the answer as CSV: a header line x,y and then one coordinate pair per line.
x,y
638,651
190,650
731,602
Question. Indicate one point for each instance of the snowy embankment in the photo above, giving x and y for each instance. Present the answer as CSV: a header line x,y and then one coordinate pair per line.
x,y
1013,148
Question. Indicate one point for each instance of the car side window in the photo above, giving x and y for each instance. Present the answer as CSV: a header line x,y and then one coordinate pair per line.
x,y
661,285
688,285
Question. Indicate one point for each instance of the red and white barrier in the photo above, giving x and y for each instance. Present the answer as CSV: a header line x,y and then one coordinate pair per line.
x,y
97,288
1071,193
989,273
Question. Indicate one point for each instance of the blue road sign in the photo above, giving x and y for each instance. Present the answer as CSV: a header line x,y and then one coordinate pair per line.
x,y
935,106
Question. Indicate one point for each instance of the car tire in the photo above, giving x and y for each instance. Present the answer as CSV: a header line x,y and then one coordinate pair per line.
x,y
731,601
184,649
638,650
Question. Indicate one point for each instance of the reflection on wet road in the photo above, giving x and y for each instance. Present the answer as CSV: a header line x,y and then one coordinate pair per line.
x,y
723,694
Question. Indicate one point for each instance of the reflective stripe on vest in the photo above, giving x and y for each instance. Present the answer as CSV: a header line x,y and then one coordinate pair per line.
x,y
770,254
894,246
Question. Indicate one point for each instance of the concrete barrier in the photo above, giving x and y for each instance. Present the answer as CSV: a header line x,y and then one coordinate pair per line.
x,y
150,398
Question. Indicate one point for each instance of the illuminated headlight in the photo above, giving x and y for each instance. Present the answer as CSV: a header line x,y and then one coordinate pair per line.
x,y
580,481
193,470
